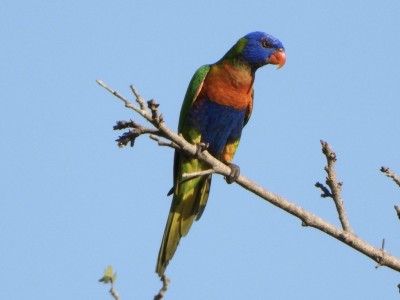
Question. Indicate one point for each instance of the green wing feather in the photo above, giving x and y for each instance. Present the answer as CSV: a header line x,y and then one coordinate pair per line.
x,y
192,92
190,196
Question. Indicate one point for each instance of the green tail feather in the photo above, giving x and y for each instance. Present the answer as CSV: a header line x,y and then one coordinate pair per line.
x,y
189,201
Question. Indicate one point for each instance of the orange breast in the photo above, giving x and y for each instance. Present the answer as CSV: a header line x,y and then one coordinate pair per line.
x,y
230,86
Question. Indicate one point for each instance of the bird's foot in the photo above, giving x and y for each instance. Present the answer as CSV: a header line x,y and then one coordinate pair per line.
x,y
234,175
200,147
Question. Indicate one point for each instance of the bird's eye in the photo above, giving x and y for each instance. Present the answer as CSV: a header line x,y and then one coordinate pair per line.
x,y
265,44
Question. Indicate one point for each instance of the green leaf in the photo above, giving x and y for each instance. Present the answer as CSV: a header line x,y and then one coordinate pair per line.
x,y
108,276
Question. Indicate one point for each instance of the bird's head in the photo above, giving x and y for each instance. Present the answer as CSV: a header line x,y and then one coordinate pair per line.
x,y
258,49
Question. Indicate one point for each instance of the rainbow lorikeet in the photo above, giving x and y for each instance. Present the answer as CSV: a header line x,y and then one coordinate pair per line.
x,y
217,105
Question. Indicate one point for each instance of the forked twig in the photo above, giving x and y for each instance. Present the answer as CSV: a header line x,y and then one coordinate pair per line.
x,y
334,185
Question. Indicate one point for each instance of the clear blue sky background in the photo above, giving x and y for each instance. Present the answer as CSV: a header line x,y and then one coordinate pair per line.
x,y
72,202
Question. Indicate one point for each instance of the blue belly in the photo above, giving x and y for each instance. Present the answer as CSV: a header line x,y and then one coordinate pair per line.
x,y
218,124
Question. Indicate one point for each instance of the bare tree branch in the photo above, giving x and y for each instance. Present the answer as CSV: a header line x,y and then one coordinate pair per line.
x,y
344,235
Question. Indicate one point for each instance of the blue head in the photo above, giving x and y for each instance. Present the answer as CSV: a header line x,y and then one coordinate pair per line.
x,y
258,49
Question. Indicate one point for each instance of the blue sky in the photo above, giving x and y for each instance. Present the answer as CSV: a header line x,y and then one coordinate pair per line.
x,y
72,202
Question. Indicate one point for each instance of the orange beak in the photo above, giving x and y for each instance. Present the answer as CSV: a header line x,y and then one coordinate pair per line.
x,y
278,58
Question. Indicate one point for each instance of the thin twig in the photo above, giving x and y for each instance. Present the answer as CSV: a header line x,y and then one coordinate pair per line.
x,y
115,93
396,179
114,293
163,289
160,142
139,98
390,174
197,174
143,112
334,185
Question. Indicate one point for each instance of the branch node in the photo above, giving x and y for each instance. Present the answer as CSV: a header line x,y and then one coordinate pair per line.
x,y
379,258
153,106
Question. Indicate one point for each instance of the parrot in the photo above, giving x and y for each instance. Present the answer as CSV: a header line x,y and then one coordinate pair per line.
x,y
217,105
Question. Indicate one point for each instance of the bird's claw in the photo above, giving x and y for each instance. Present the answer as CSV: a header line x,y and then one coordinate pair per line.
x,y
200,147
234,175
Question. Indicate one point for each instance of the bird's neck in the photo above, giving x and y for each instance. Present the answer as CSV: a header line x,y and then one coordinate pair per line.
x,y
230,84
237,73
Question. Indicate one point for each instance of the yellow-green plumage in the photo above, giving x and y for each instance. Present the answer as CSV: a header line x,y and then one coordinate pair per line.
x,y
190,196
